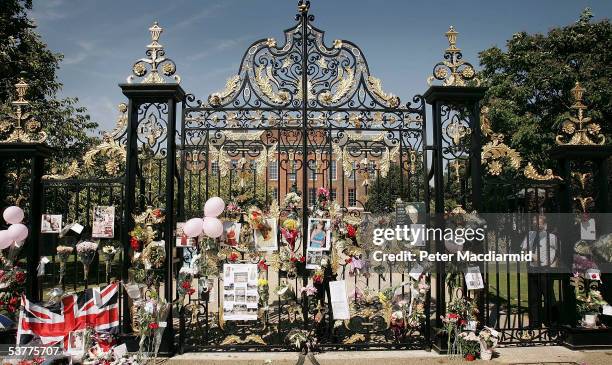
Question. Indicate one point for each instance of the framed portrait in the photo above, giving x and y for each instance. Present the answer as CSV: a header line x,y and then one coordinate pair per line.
x,y
313,259
269,242
231,233
76,342
182,240
51,223
319,234
103,222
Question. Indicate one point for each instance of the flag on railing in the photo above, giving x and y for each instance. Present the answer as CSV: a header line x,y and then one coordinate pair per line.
x,y
96,308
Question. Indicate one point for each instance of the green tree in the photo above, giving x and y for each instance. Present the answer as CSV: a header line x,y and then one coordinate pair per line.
x,y
22,50
529,84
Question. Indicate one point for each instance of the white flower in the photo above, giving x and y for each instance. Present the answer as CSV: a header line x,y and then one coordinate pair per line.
x,y
149,307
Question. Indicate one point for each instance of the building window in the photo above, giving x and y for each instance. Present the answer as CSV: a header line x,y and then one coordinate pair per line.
x,y
333,169
354,167
312,170
332,194
312,196
292,173
214,168
371,168
352,199
273,170
274,194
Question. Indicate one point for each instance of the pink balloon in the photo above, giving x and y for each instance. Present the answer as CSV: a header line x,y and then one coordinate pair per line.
x,y
213,207
13,215
193,227
213,227
5,240
18,232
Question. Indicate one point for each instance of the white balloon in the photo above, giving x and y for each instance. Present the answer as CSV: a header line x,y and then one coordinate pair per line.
x,y
5,240
193,227
13,215
213,227
214,207
18,232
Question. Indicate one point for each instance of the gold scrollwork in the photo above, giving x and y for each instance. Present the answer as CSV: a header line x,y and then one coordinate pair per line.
x,y
357,337
26,128
346,80
580,130
456,71
533,174
376,85
264,80
231,85
155,58
235,340
494,151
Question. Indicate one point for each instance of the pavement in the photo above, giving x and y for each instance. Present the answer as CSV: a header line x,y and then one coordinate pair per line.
x,y
513,355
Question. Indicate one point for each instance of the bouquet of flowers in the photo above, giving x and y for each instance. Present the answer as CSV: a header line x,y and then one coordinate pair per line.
x,y
86,250
63,253
290,231
292,201
150,322
257,221
12,282
154,255
488,341
109,252
459,312
184,287
589,300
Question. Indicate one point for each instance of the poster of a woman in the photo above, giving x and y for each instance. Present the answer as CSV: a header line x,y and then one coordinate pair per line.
x,y
319,234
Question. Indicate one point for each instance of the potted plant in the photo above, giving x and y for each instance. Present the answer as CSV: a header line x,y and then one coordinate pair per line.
x,y
488,339
468,345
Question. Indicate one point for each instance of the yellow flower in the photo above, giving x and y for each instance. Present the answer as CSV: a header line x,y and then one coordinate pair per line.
x,y
262,282
290,224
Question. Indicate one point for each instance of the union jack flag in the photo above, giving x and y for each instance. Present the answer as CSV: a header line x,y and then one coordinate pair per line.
x,y
96,308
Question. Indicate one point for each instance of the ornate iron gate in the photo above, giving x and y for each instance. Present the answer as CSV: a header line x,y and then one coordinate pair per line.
x,y
296,117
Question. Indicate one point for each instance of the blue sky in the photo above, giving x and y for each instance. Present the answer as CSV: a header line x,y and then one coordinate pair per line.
x,y
401,40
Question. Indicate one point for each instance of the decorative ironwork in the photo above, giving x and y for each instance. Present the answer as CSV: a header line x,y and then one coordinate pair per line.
x,y
580,130
112,148
530,172
454,71
156,63
25,128
496,151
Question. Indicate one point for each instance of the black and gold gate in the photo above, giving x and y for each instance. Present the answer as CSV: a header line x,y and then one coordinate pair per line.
x,y
301,123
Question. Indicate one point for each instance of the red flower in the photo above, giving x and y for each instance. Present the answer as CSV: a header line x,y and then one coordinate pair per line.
x,y
186,285
153,325
11,309
293,259
233,256
349,260
262,265
190,291
134,244
20,277
593,276
317,279
350,231
463,322
453,315
470,357
302,259
13,301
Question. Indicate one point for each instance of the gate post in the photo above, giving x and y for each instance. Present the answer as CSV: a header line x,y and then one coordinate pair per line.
x,y
151,137
583,165
456,150
26,145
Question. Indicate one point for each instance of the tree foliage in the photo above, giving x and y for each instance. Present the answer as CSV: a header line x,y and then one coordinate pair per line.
x,y
529,84
24,53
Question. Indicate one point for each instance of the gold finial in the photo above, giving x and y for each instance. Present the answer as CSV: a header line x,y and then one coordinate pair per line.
x,y
303,6
156,62
579,130
453,71
25,128
451,35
